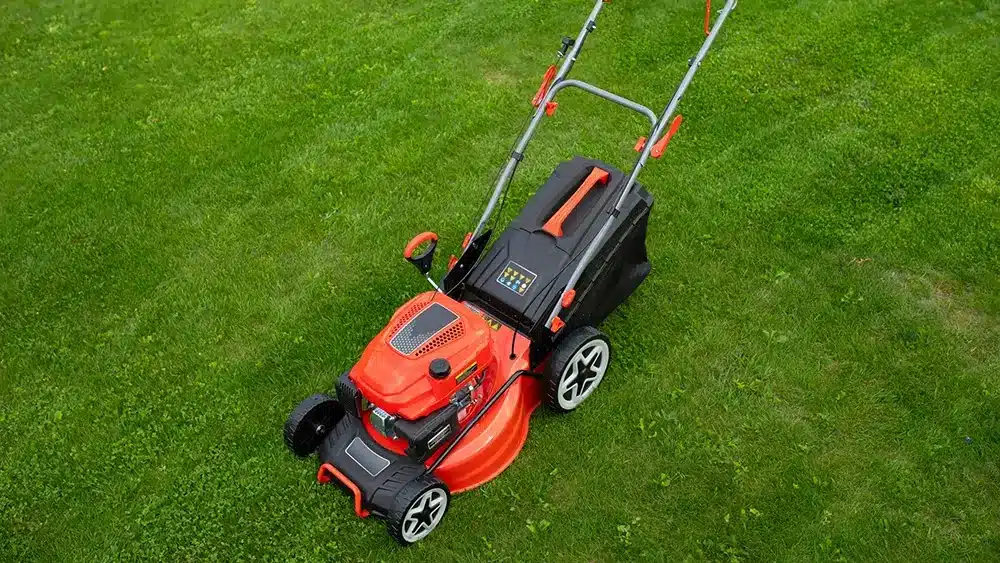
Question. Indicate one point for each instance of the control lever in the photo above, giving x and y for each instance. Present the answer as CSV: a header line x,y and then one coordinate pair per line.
x,y
425,259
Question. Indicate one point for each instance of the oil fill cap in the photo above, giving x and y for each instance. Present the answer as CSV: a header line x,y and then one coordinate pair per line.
x,y
440,368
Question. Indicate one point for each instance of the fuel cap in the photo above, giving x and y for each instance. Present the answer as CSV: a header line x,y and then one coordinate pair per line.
x,y
440,368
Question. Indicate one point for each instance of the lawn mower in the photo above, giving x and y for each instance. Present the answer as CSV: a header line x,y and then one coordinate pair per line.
x,y
440,399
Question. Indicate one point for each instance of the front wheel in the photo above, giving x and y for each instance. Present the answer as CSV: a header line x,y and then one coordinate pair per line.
x,y
310,422
576,368
418,509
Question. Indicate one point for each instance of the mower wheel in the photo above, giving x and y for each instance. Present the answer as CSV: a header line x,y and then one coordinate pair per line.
x,y
310,422
419,507
576,368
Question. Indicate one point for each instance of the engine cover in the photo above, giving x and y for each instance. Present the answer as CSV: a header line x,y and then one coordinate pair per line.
x,y
394,370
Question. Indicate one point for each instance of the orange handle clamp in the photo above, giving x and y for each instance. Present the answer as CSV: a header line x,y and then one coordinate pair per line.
x,y
661,146
708,15
550,75
326,474
555,223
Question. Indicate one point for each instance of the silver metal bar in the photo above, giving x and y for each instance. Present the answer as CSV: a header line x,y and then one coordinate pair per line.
x,y
595,245
607,96
434,285
511,165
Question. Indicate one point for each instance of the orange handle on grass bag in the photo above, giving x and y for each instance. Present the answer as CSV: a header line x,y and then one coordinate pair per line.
x,y
555,223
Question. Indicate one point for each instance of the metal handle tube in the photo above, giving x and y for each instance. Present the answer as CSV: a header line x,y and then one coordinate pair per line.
x,y
636,107
595,245
511,165
676,99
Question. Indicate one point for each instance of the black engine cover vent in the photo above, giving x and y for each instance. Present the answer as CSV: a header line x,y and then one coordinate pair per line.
x,y
422,328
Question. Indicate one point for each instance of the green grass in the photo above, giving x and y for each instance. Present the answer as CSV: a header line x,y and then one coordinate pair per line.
x,y
203,203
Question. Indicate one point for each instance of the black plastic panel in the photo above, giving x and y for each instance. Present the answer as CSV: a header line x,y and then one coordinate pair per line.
x,y
366,457
619,267
378,472
430,432
348,395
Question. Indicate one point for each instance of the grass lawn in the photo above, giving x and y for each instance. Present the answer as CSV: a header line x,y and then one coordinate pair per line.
x,y
203,205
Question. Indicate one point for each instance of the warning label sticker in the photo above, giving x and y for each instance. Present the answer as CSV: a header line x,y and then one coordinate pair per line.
x,y
516,278
494,324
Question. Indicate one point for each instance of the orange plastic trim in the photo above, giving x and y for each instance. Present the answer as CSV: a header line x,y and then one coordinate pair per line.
x,y
568,298
417,241
661,146
640,144
550,108
708,15
468,239
550,74
557,325
324,477
452,261
555,223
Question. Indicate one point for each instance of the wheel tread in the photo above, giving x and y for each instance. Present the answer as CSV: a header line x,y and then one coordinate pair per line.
x,y
308,407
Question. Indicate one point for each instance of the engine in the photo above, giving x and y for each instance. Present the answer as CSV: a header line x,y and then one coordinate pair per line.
x,y
423,375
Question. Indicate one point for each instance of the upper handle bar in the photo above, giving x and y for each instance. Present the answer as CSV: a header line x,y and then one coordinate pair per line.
x,y
661,124
553,84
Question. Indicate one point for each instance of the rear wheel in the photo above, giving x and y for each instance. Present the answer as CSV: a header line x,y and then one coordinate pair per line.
x,y
576,367
418,509
310,422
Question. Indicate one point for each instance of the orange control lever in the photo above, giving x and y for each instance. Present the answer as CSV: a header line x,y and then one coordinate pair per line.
x,y
417,241
555,223
661,145
550,75
326,474
708,15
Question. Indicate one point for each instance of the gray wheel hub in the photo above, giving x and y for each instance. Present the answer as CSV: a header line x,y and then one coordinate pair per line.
x,y
583,373
424,514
